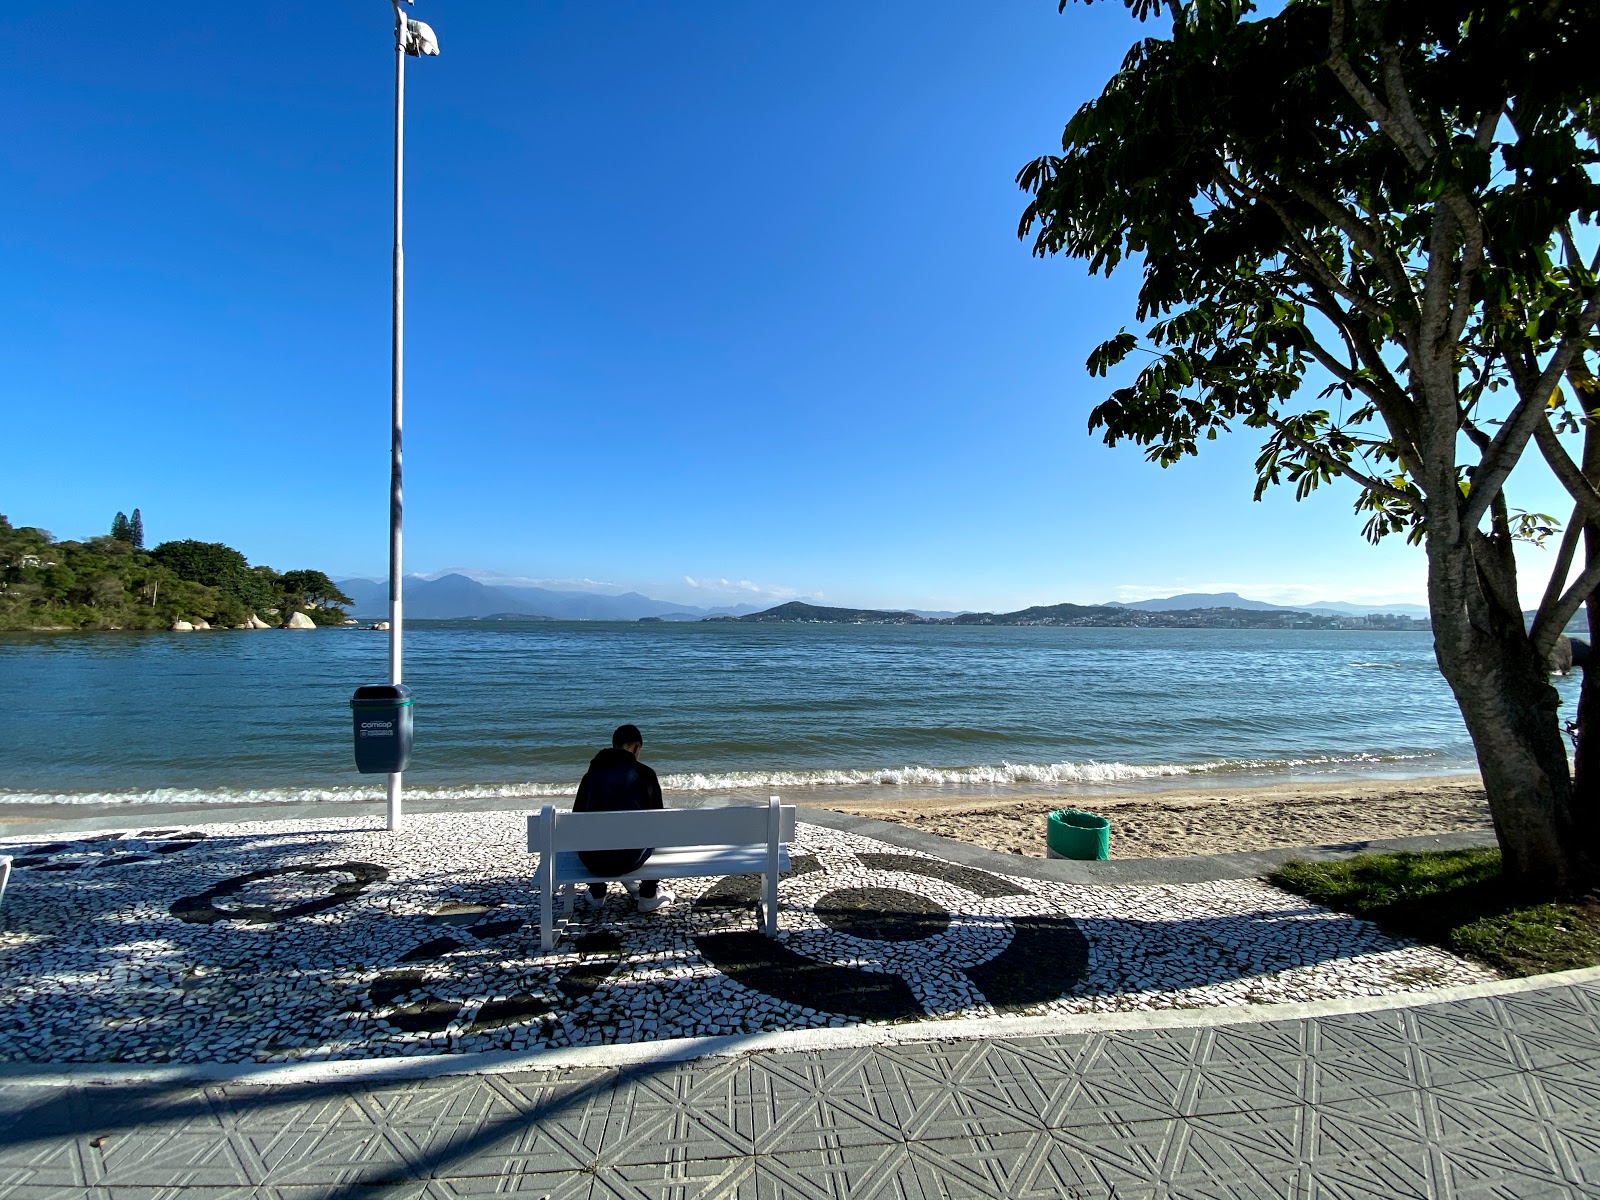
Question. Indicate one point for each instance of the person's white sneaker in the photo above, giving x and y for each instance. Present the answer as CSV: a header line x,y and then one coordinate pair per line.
x,y
649,904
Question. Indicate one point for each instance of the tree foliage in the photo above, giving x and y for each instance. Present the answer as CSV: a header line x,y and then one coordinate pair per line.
x,y
110,583
218,566
1366,233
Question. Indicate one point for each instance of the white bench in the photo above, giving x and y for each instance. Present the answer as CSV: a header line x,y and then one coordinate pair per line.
x,y
689,842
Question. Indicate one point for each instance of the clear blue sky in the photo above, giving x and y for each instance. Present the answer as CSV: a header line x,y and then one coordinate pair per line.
x,y
713,291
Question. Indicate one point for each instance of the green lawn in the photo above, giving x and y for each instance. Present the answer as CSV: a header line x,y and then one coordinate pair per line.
x,y
1454,899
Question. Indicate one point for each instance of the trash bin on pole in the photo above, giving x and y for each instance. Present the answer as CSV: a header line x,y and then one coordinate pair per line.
x,y
382,714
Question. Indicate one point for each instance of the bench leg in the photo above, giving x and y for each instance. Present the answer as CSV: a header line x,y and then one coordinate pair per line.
x,y
547,917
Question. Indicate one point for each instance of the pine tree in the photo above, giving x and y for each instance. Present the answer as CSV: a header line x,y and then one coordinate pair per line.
x,y
136,530
119,527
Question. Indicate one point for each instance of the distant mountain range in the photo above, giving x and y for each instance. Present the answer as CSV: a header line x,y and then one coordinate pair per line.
x,y
1199,600
457,597
1258,616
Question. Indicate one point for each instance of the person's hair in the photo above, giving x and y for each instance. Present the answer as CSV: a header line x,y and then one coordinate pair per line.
x,y
626,735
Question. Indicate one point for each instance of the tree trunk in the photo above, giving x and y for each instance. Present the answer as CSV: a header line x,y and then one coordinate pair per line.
x,y
1586,752
1511,712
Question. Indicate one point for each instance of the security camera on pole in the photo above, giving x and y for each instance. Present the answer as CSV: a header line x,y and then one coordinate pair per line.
x,y
383,714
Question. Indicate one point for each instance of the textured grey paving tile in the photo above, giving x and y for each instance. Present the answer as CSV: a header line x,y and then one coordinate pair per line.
x,y
564,1185
162,1158
848,1173
1578,1137
241,1107
62,1163
1017,1166
715,1179
1259,1152
801,1102
1364,1125
30,1113
412,1190
1504,1159
1520,1190
695,1111
959,1089
1117,1158
1103,1081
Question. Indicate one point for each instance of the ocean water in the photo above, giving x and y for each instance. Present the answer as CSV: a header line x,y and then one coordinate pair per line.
x,y
727,710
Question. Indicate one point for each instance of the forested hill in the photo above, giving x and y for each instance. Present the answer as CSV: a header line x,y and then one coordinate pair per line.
x,y
798,610
113,582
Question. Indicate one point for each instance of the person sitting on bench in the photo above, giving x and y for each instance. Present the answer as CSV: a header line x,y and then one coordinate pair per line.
x,y
617,781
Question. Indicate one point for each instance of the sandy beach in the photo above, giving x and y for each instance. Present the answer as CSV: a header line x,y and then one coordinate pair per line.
x,y
1208,821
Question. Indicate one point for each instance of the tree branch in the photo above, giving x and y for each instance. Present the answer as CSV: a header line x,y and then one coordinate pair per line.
x,y
1304,252
1496,465
1364,96
1563,567
1360,235
1338,467
1548,626
1490,560
1471,224
1568,472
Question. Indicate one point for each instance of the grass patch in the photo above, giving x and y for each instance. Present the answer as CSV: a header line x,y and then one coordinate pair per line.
x,y
1455,899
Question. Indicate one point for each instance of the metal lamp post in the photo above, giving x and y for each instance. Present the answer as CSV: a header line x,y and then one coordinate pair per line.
x,y
412,39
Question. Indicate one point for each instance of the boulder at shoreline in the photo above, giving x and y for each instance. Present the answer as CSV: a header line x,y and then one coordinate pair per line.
x,y
181,627
299,621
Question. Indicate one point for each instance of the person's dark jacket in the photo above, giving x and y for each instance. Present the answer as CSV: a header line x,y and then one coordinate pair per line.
x,y
616,781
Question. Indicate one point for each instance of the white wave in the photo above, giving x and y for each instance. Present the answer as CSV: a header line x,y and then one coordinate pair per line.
x,y
337,795
1002,775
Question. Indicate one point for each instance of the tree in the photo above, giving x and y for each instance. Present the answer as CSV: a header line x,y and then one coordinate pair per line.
x,y
313,587
119,528
218,566
136,530
1386,205
314,594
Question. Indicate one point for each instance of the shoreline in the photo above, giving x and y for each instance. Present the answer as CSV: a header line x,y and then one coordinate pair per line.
x,y
1147,822
1172,823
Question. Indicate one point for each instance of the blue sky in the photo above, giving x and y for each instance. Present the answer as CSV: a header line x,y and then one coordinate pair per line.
x,y
717,300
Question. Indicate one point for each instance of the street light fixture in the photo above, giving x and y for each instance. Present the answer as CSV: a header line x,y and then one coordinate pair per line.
x,y
413,39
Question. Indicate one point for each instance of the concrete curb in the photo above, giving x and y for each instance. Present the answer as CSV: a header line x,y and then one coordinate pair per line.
x,y
388,1070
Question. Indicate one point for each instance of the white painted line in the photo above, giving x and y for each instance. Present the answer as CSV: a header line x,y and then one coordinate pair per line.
x,y
389,1070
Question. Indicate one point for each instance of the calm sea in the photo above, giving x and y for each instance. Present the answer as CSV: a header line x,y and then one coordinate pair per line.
x,y
508,709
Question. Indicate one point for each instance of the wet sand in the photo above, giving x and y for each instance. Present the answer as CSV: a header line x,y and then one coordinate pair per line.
x,y
1206,821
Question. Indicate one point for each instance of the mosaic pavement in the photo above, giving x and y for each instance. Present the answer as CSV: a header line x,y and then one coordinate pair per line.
x,y
331,939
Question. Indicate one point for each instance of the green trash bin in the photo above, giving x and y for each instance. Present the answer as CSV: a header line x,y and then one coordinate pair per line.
x,y
1074,834
383,719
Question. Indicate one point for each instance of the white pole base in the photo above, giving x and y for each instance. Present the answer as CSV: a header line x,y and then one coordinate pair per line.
x,y
395,815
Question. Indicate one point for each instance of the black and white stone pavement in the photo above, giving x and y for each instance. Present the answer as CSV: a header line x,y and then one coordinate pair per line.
x,y
334,939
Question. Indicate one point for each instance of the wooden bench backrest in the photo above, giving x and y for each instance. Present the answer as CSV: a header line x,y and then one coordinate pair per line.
x,y
735,825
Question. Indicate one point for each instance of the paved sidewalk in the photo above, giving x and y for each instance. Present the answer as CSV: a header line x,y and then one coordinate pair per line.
x,y
1490,1095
